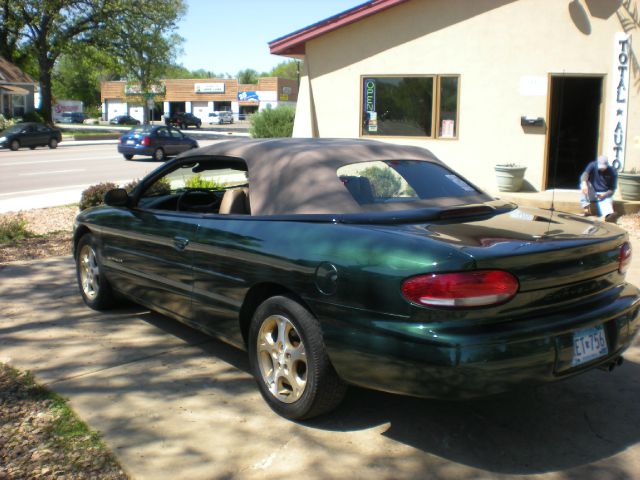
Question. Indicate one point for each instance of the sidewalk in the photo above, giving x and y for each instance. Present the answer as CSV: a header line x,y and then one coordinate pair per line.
x,y
175,404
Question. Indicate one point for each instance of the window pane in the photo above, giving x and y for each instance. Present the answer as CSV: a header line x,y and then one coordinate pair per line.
x,y
448,127
397,106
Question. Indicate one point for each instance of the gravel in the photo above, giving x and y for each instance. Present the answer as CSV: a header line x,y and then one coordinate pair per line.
x,y
31,446
52,228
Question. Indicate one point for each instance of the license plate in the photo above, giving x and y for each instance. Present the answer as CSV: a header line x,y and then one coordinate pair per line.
x,y
130,142
588,344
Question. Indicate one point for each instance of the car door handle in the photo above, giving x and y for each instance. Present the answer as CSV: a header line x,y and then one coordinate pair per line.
x,y
180,243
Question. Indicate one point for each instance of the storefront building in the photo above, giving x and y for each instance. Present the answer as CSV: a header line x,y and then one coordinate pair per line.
x,y
198,96
16,90
547,84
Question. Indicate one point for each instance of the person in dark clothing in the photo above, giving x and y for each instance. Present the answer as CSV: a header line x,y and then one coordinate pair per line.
x,y
598,183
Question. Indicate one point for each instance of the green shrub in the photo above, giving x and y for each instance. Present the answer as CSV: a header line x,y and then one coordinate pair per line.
x,y
94,195
198,182
6,122
160,187
272,122
12,229
32,117
384,182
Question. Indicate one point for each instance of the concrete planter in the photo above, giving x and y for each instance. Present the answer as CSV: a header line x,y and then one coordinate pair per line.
x,y
629,184
509,177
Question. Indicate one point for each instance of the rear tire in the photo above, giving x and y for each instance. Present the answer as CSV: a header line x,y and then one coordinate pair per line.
x,y
289,360
53,143
127,157
14,145
159,155
94,287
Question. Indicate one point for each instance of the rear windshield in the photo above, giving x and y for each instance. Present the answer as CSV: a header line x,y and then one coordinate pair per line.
x,y
141,129
406,181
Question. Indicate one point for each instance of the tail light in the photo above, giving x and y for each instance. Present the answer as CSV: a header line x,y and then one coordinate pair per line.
x,y
478,288
145,141
624,257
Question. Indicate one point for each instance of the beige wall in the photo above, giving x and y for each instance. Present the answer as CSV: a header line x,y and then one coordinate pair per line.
x,y
492,44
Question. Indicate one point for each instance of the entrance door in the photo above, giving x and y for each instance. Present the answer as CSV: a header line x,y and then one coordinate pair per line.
x,y
574,128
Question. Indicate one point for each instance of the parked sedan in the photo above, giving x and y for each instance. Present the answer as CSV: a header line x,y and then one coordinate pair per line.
x,y
124,120
337,262
30,135
154,141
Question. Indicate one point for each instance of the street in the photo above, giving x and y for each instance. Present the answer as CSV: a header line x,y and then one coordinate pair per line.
x,y
43,177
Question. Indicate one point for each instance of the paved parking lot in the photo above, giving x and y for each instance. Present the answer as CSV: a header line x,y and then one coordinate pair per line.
x,y
175,404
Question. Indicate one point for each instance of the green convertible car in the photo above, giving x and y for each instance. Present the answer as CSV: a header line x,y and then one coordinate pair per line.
x,y
336,262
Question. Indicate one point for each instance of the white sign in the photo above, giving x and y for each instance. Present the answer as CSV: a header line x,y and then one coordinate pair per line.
x,y
533,86
209,87
619,101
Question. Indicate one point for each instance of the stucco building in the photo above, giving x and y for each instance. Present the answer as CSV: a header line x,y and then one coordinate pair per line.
x,y
199,96
547,84
16,90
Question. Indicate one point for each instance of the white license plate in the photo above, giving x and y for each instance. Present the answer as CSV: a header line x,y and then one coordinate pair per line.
x,y
588,344
130,142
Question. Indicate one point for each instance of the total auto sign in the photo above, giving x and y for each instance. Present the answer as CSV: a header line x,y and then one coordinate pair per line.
x,y
619,100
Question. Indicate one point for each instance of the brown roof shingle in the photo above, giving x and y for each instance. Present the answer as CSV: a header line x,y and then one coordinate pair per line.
x,y
12,74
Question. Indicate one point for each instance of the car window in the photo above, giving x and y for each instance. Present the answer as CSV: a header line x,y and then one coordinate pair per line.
x,y
42,128
195,187
391,181
176,133
162,132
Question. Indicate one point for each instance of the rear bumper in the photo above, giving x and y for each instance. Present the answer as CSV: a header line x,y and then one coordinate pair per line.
x,y
399,356
135,150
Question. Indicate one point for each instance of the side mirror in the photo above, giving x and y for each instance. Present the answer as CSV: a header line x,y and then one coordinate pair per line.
x,y
118,197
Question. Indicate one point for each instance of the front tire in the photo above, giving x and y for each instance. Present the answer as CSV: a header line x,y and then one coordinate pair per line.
x,y
53,143
127,157
159,155
289,360
14,145
94,286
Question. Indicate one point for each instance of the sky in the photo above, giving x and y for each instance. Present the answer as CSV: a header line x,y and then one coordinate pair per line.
x,y
226,37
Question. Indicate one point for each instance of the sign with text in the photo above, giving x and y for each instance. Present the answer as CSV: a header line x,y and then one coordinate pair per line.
x,y
209,87
619,101
371,119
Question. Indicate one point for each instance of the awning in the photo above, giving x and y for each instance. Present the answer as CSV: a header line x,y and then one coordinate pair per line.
x,y
13,90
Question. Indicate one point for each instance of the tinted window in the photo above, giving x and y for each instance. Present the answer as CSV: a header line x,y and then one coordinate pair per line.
x,y
393,181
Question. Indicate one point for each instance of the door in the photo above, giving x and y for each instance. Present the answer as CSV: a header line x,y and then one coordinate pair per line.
x,y
574,128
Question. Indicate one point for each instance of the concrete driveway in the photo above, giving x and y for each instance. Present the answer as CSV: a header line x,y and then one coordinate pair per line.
x,y
175,404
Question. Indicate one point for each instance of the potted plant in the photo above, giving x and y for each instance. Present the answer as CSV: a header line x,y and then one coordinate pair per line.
x,y
629,183
509,177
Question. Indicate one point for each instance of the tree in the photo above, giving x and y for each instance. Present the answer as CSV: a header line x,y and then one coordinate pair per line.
x,y
77,76
143,41
51,28
248,75
287,69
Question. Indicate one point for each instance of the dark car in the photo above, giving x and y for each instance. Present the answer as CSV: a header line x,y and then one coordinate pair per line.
x,y
30,135
72,117
183,120
154,141
338,262
124,120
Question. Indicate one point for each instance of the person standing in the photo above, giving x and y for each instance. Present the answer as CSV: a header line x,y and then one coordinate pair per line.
x,y
598,183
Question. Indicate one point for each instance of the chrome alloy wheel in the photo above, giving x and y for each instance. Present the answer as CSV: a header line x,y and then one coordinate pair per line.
x,y
89,272
282,358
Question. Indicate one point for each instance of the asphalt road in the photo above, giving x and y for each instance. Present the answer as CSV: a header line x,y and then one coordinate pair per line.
x,y
44,177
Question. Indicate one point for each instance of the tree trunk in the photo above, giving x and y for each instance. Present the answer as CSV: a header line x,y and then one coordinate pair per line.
x,y
45,88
